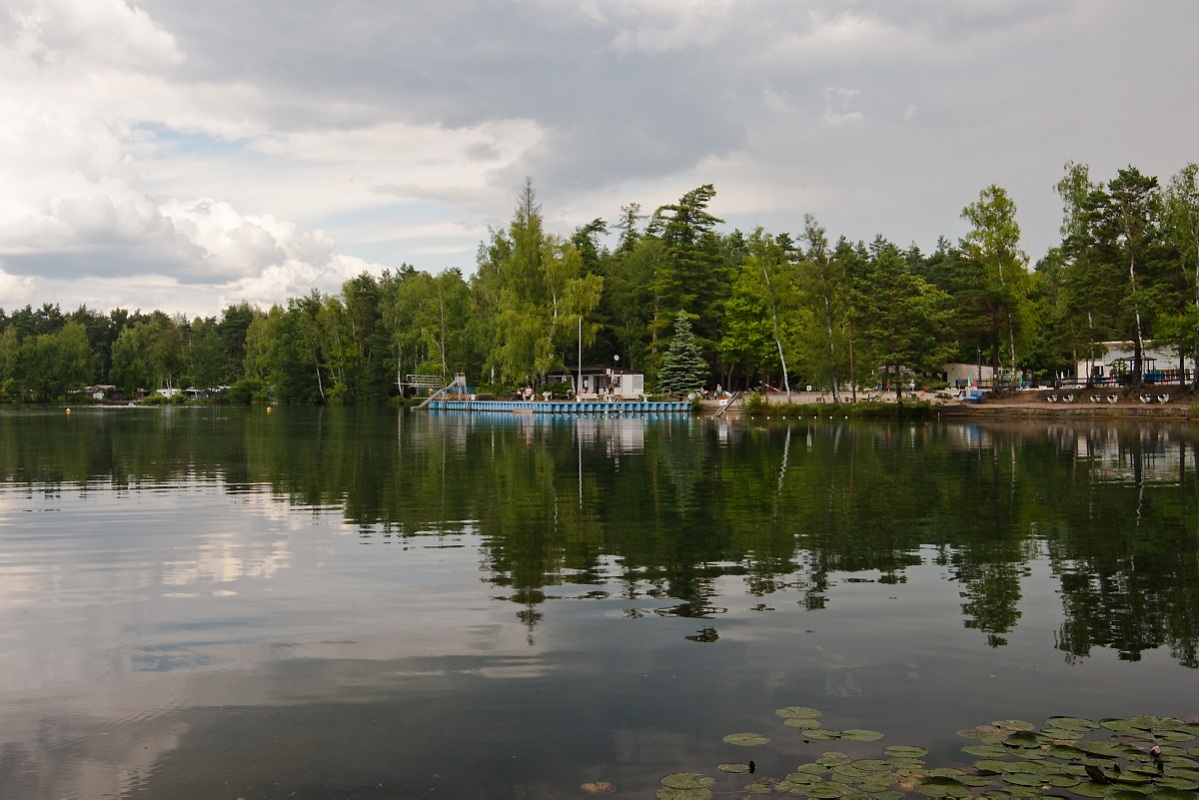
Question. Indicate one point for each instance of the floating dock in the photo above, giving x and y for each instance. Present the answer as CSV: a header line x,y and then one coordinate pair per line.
x,y
560,406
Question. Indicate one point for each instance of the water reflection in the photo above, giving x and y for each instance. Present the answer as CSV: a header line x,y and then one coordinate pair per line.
x,y
664,508
180,588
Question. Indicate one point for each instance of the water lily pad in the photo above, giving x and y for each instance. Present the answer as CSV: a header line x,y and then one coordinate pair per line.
x,y
822,734
1071,723
1105,749
985,750
1022,778
802,722
1123,725
860,735
687,780
905,751
1064,751
1176,782
887,794
667,793
802,778
1172,736
1023,739
849,771
1088,789
1014,725
797,712
873,764
828,791
757,788
1062,780
942,786
746,739
812,769
833,758
598,787
1061,734
991,766
1117,793
735,769
977,781
1173,794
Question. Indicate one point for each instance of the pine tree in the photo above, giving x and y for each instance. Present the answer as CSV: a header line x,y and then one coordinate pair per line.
x,y
683,367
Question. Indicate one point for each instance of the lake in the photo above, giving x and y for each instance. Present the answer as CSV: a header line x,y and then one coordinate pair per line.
x,y
356,603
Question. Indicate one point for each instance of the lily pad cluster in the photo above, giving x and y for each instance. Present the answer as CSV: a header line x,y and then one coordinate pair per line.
x,y
1123,759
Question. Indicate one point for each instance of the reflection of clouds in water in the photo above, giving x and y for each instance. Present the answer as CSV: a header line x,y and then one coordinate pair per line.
x,y
223,560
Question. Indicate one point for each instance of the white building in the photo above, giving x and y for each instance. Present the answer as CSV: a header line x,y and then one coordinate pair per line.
x,y
1116,359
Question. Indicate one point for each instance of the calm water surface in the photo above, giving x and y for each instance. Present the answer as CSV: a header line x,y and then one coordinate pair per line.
x,y
379,604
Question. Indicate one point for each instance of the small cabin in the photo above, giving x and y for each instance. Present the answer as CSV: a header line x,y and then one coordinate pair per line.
x,y
593,382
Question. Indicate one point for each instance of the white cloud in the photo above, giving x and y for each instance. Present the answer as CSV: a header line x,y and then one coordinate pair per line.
x,y
837,106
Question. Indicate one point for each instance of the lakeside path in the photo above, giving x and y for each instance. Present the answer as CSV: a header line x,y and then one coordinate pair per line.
x,y
1182,404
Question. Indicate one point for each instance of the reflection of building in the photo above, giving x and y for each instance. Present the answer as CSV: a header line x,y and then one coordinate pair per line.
x,y
1119,459
1115,359
596,381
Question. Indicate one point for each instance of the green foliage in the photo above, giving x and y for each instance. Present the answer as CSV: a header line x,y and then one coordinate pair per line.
x,y
683,366
764,307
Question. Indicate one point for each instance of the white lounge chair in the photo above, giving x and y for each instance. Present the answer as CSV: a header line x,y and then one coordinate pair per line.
x,y
1163,398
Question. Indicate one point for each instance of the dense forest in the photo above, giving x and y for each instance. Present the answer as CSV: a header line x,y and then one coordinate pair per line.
x,y
776,308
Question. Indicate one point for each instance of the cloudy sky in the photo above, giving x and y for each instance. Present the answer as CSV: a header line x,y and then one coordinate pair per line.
x,y
186,155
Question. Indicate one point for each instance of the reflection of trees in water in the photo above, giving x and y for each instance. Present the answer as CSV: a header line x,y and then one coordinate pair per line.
x,y
670,512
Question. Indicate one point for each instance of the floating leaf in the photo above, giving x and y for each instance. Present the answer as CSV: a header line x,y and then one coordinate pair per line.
x,y
812,769
1173,794
687,780
746,739
873,765
735,769
992,766
1064,751
1014,725
833,758
757,788
940,786
797,712
1106,749
1087,789
1072,723
1178,782
822,734
1063,734
1022,778
1123,726
1023,739
859,735
803,778
985,750
802,722
905,751
667,793
598,787
1124,794
850,771
981,732
828,791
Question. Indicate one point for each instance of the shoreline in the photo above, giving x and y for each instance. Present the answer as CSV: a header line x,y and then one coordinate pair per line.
x,y
1033,404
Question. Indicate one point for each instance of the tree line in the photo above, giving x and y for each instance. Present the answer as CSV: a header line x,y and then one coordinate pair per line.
x,y
646,290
